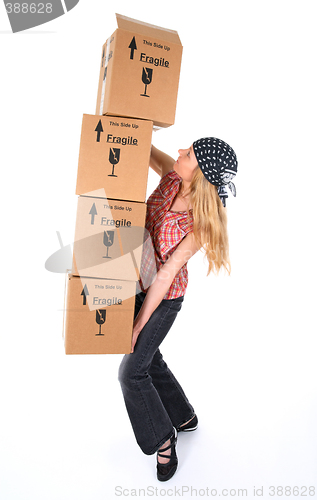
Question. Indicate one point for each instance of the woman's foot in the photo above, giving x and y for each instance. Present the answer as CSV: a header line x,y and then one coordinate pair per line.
x,y
164,458
167,459
190,425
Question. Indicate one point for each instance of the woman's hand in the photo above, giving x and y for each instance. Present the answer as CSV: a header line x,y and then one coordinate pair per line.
x,y
135,333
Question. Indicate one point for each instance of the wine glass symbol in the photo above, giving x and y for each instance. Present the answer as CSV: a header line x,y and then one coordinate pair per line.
x,y
114,157
108,237
100,319
147,74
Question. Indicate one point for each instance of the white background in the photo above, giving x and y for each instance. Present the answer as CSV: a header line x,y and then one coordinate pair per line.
x,y
243,347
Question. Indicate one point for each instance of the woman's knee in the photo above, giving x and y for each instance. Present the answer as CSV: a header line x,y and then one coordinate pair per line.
x,y
126,372
122,370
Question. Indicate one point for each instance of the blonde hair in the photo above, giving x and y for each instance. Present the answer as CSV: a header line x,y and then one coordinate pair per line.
x,y
210,223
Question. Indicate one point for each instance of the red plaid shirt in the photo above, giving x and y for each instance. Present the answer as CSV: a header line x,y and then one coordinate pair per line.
x,y
167,229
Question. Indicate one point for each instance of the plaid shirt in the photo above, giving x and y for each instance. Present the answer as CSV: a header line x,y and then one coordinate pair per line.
x,y
167,229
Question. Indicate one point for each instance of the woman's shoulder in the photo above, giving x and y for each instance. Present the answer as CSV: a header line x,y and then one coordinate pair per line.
x,y
172,175
161,198
169,183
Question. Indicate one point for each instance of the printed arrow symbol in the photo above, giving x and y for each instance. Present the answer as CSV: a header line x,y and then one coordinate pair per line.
x,y
84,293
133,47
99,129
93,212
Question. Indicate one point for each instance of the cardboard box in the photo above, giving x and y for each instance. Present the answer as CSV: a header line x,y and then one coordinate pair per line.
x,y
98,316
108,238
139,73
114,155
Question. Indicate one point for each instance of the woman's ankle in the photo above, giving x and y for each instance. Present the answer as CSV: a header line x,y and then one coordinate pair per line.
x,y
167,453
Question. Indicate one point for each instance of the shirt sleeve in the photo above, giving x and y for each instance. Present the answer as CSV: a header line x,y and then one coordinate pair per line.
x,y
169,184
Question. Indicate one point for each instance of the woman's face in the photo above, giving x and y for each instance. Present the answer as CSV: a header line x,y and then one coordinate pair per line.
x,y
186,164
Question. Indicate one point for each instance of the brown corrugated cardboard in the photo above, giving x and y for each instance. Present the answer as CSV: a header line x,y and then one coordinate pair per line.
x,y
139,72
108,238
114,155
98,316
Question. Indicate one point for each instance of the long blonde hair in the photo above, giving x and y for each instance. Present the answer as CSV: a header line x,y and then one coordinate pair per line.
x,y
210,223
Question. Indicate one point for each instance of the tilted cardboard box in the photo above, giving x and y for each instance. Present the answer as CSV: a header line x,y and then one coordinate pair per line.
x,y
98,318
109,236
114,155
139,72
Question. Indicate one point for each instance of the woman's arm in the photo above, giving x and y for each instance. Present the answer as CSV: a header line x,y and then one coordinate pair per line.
x,y
163,280
160,162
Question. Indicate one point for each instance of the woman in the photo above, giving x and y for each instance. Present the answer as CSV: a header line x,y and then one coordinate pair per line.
x,y
186,212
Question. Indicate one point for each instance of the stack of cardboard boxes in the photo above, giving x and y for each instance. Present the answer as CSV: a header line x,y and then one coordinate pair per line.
x,y
137,91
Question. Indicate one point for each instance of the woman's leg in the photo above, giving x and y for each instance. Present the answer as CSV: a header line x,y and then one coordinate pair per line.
x,y
150,421
171,393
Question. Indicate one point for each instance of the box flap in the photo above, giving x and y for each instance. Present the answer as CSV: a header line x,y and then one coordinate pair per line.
x,y
128,24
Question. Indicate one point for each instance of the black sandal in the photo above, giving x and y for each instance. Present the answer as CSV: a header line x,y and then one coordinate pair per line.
x,y
190,426
166,471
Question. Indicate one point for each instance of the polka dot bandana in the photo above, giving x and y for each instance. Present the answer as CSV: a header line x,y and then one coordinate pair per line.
x,y
218,163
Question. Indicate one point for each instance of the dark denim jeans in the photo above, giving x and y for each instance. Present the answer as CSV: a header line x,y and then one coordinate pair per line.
x,y
154,399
